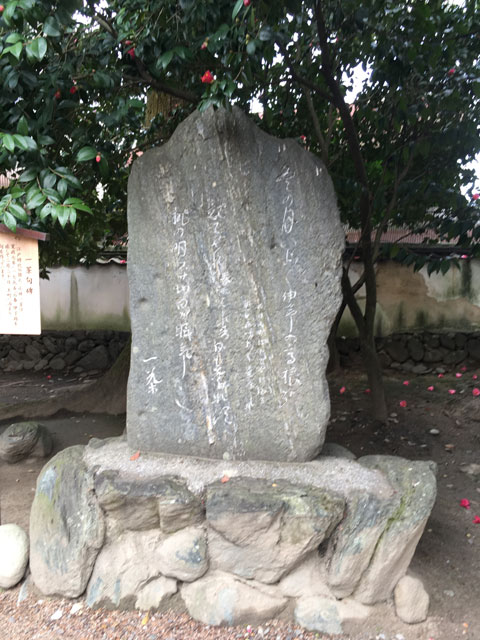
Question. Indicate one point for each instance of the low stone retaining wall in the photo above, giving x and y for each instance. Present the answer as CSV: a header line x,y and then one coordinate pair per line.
x,y
418,352
61,351
230,542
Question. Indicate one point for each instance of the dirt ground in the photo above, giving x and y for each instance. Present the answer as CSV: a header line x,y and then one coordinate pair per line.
x,y
448,555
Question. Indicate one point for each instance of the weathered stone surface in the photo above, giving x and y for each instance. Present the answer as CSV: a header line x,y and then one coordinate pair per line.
x,y
352,545
308,579
473,348
416,485
222,599
25,439
318,614
337,451
411,600
183,555
66,526
416,350
397,351
232,303
13,555
156,594
259,530
97,358
123,568
146,503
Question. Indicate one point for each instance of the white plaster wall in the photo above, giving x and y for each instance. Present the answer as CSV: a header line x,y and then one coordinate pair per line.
x,y
81,298
409,300
97,298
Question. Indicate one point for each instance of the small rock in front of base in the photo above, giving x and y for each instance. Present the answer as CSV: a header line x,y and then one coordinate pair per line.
x,y
411,600
223,599
13,555
318,614
24,439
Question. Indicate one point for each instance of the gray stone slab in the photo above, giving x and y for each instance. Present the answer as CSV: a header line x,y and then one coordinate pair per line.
x,y
235,249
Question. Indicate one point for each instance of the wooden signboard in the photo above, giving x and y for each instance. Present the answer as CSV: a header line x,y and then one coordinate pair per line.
x,y
19,282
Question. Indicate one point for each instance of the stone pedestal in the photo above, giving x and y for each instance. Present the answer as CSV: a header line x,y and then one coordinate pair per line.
x,y
229,542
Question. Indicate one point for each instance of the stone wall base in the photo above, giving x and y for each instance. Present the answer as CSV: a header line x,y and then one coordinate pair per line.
x,y
230,542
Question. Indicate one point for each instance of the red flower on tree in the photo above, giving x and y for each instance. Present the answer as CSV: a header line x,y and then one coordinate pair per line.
x,y
207,77
73,90
451,71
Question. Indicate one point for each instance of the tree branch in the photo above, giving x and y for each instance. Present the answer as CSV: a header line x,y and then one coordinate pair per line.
x,y
316,126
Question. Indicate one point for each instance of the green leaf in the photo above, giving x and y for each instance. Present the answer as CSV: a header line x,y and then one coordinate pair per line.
x,y
69,177
45,140
13,38
62,187
35,198
9,221
251,46
8,142
14,49
7,15
63,214
49,180
236,8
50,29
46,211
165,59
22,126
19,212
73,217
28,175
78,204
85,154
21,142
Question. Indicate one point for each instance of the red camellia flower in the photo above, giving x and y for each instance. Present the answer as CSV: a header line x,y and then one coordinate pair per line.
x,y
441,375
73,90
1,8
476,520
465,503
475,196
246,3
476,392
458,375
58,95
452,392
368,390
474,377
431,388
204,44
98,158
406,383
451,71
342,389
207,77
131,53
403,403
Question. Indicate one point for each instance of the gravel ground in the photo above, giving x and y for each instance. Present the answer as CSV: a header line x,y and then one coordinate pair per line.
x,y
34,619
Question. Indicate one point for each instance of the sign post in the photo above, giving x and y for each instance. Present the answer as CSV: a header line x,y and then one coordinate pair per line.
x,y
19,281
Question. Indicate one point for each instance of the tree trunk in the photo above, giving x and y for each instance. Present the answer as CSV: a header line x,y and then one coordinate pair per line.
x,y
108,394
334,359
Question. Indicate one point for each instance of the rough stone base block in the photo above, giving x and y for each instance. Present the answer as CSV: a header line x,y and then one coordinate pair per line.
x,y
229,542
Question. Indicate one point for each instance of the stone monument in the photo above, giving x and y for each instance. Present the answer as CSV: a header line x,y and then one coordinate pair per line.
x,y
235,249
215,503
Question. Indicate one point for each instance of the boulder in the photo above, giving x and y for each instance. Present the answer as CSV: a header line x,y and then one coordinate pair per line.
x,y
23,440
222,599
352,545
123,568
156,594
415,483
183,555
316,613
411,600
97,358
145,504
13,555
235,251
337,451
260,530
66,526
397,350
308,579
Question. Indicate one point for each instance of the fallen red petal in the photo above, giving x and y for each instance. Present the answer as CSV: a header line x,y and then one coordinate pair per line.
x,y
406,383
403,403
135,456
451,391
465,503
342,389
476,520
431,388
